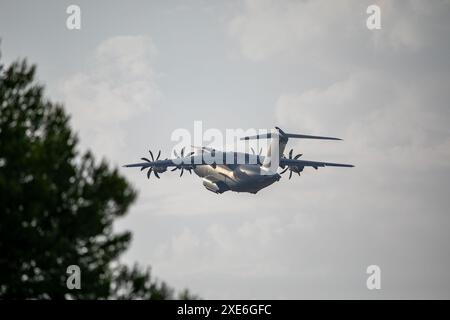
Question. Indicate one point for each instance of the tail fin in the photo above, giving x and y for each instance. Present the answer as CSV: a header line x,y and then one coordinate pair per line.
x,y
280,138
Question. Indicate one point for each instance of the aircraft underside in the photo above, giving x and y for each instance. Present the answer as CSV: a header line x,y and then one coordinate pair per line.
x,y
220,180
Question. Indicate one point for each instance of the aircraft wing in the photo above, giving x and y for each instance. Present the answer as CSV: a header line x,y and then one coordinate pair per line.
x,y
160,166
307,163
148,164
164,164
203,148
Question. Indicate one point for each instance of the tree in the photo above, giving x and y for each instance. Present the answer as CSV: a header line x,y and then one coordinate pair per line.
x,y
57,206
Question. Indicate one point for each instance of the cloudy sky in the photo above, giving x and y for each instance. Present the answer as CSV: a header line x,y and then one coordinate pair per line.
x,y
135,72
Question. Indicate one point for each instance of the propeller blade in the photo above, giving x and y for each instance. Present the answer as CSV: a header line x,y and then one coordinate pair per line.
x,y
290,153
298,156
175,153
190,154
174,169
298,172
182,170
156,174
142,168
290,174
145,159
151,154
182,152
159,153
253,150
284,170
190,171
148,173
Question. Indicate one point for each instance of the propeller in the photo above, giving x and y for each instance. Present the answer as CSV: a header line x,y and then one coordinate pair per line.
x,y
155,170
182,156
293,168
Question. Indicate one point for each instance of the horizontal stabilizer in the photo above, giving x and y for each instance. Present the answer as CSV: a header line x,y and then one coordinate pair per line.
x,y
287,135
305,136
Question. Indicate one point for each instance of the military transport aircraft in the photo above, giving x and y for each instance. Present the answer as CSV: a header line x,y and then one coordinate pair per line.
x,y
237,171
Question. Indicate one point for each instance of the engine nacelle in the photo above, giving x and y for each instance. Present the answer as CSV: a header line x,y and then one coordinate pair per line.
x,y
214,185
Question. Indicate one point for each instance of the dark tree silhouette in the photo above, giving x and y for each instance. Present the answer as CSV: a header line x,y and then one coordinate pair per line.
x,y
57,206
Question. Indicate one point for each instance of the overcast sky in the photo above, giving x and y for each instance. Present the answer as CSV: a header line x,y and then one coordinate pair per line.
x,y
136,71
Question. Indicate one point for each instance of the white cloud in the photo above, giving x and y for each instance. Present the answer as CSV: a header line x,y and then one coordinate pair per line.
x,y
209,250
268,27
377,114
321,28
119,86
344,104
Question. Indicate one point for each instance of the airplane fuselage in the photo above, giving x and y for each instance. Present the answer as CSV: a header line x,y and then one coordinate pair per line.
x,y
235,177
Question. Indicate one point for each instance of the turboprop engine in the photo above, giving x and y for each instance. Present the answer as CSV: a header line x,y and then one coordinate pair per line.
x,y
215,185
